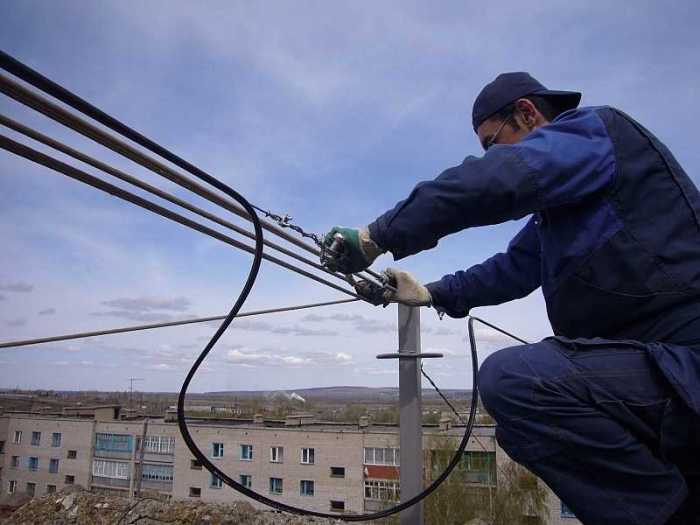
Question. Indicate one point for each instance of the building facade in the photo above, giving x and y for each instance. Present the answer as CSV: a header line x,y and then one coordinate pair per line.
x,y
326,467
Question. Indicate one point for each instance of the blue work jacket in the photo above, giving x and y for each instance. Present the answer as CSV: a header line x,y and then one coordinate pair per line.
x,y
613,238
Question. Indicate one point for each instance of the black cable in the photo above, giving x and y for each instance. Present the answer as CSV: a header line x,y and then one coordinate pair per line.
x,y
435,387
39,81
194,449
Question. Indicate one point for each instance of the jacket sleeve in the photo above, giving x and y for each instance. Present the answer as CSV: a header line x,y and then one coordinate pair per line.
x,y
555,165
503,277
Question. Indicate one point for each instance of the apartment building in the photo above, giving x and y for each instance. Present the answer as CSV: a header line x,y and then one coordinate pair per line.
x,y
43,454
326,467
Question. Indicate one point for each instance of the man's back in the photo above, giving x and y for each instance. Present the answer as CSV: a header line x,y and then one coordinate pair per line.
x,y
624,263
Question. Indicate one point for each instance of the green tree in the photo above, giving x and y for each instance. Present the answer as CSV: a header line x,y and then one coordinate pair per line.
x,y
458,500
521,498
479,490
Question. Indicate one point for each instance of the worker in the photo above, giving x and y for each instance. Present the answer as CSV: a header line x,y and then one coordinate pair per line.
x,y
607,411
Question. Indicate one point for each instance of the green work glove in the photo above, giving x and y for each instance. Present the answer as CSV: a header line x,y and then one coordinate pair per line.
x,y
356,252
408,290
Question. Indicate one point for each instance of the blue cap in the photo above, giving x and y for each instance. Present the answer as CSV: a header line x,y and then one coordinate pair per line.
x,y
509,87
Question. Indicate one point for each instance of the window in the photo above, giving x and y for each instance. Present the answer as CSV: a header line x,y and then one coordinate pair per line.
x,y
53,465
566,512
195,492
36,439
306,487
382,490
2,447
217,450
276,454
114,442
247,452
69,480
159,444
14,462
275,485
216,482
102,468
307,456
31,489
246,480
337,472
50,489
11,486
18,437
381,456
337,505
33,463
162,473
72,454
56,439
479,467
195,464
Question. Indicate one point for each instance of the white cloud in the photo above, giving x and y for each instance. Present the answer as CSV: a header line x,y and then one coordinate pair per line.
x,y
161,366
278,358
342,357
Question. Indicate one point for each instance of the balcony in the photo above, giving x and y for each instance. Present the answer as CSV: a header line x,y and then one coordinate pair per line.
x,y
160,457
113,454
161,486
110,482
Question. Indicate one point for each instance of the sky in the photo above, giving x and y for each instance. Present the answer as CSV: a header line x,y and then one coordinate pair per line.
x,y
330,112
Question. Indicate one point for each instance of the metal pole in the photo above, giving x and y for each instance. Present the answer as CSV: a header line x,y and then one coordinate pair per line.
x,y
139,466
411,430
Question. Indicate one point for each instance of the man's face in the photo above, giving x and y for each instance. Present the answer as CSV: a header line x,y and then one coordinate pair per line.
x,y
513,129
493,131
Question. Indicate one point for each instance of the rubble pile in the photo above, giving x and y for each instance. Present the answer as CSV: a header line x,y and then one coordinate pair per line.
x,y
76,506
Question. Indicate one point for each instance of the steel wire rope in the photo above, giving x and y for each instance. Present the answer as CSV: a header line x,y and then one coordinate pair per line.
x,y
55,164
39,81
63,148
151,326
74,173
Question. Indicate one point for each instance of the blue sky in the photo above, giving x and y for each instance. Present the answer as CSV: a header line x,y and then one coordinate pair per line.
x,y
325,111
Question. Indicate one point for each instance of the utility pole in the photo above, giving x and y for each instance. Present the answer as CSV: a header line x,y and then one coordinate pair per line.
x,y
139,465
131,390
410,416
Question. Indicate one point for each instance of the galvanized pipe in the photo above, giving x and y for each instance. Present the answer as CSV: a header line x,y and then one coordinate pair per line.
x,y
74,173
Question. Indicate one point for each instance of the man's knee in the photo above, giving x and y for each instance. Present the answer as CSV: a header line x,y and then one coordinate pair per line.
x,y
502,377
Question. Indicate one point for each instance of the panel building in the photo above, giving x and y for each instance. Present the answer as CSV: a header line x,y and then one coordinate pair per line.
x,y
327,467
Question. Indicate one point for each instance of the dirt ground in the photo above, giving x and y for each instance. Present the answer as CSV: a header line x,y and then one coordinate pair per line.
x,y
79,507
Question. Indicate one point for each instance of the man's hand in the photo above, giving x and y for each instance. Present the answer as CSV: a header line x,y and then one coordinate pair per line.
x,y
408,290
357,251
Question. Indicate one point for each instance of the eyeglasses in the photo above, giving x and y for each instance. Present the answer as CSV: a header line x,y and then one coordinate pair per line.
x,y
494,137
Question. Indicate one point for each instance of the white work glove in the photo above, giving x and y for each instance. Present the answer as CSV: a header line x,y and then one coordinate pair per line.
x,y
408,290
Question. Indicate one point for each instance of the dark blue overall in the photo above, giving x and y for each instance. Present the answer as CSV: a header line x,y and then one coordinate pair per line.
x,y
606,412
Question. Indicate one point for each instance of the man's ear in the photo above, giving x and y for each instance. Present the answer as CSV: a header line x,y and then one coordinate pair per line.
x,y
526,113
